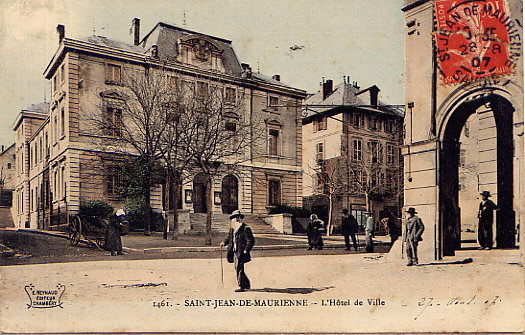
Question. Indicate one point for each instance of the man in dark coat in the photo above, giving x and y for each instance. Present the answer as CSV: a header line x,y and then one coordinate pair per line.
x,y
486,217
314,231
349,228
413,230
240,242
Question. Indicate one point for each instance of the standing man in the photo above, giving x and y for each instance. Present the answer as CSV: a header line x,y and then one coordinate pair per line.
x,y
486,217
369,232
349,228
240,242
413,230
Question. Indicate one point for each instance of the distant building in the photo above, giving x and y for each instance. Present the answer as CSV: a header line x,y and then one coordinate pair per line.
x,y
7,174
58,166
347,129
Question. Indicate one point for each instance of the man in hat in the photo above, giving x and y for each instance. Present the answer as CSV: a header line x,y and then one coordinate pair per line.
x,y
413,230
349,228
240,242
486,217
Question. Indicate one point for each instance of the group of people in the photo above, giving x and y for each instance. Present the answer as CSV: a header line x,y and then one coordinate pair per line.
x,y
240,240
349,228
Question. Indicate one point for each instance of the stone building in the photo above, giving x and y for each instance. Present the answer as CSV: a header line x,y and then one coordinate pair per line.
x,y
63,167
7,167
471,118
349,137
7,182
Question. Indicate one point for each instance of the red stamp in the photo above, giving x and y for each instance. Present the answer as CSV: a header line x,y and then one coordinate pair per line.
x,y
472,39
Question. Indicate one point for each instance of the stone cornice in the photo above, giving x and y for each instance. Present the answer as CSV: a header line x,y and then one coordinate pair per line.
x,y
143,59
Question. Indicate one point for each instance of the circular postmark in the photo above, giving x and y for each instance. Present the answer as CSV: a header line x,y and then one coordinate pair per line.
x,y
475,39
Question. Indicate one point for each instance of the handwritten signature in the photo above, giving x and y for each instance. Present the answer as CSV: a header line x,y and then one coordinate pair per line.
x,y
429,302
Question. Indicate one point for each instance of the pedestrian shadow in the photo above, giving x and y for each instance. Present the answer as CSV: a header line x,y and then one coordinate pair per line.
x,y
465,261
291,290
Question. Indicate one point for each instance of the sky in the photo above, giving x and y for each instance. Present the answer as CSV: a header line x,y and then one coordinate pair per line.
x,y
362,39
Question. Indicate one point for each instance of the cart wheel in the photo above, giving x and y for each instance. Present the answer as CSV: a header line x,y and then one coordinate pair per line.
x,y
74,231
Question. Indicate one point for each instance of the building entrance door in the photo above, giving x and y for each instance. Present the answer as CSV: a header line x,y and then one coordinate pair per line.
x,y
230,194
199,194
501,182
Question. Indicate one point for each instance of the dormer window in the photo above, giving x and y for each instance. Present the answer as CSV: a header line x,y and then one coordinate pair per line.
x,y
154,51
201,51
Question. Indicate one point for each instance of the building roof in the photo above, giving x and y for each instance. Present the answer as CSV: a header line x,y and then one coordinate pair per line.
x,y
41,108
112,43
167,36
37,111
343,97
264,78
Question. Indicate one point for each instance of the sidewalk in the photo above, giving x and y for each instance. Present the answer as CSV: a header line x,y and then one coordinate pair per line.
x,y
155,243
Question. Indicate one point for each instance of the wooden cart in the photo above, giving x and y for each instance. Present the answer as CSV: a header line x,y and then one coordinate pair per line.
x,y
92,228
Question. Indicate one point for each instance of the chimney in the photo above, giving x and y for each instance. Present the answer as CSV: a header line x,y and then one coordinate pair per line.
x,y
247,70
276,77
374,90
61,30
136,31
328,86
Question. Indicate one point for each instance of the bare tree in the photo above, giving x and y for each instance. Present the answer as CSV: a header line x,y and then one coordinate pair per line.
x,y
369,176
331,181
133,120
216,131
362,174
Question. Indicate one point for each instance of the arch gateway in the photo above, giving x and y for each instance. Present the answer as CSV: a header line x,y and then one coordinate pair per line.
x,y
464,120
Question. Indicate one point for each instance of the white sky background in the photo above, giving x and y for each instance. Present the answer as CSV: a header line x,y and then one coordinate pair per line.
x,y
362,39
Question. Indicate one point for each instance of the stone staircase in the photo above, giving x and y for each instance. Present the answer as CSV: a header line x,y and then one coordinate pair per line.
x,y
6,221
220,223
259,226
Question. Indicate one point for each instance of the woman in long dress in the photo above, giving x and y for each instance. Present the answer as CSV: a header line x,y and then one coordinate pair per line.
x,y
314,231
113,231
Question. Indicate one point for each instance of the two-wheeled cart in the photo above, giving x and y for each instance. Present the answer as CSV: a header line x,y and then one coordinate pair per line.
x,y
92,228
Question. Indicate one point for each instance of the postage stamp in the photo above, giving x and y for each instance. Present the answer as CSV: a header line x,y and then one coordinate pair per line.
x,y
474,39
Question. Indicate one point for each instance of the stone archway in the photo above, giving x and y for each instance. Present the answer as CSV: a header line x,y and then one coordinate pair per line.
x,y
449,220
230,194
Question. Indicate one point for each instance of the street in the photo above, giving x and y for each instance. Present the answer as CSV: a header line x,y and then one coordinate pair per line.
x,y
300,293
33,248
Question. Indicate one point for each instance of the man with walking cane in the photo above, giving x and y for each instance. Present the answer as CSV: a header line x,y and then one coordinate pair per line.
x,y
240,242
413,230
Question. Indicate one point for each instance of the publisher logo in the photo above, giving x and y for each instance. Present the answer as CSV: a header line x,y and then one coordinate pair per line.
x,y
45,298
